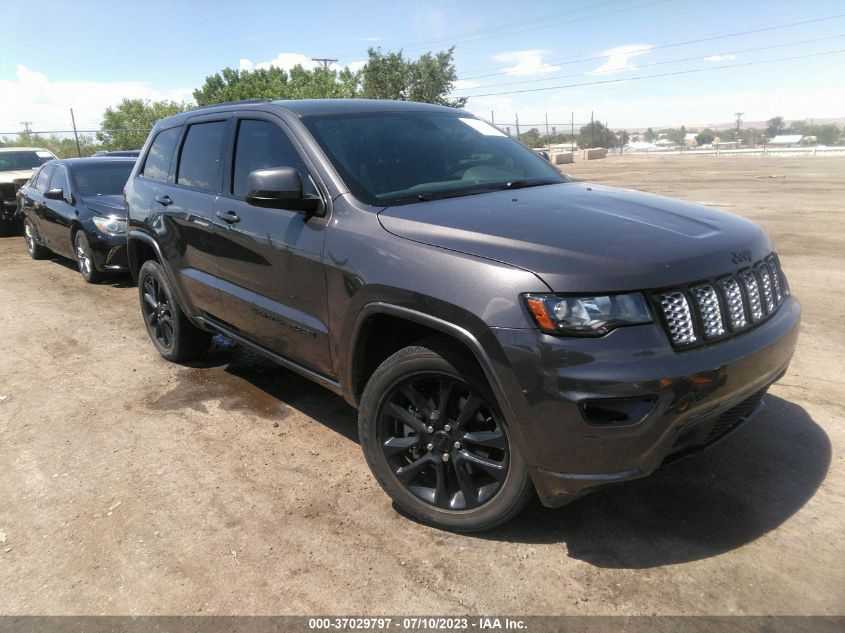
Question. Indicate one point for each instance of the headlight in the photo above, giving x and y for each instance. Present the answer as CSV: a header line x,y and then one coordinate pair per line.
x,y
110,225
587,316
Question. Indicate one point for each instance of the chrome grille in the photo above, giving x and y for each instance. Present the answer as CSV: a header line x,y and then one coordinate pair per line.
x,y
733,300
773,266
766,286
714,309
711,312
752,290
678,317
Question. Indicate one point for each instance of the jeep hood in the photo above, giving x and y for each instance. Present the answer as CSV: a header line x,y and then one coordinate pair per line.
x,y
580,237
106,205
18,174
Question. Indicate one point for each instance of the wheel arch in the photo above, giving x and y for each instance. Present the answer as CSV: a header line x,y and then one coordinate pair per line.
x,y
140,247
363,361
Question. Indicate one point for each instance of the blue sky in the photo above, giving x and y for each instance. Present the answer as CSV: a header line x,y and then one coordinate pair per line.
x,y
90,58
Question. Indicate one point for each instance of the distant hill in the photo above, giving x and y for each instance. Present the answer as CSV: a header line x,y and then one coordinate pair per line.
x,y
730,125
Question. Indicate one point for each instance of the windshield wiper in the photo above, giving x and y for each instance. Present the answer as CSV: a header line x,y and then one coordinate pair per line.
x,y
533,182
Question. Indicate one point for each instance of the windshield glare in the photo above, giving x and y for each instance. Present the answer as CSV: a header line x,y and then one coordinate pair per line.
x,y
16,161
102,179
399,157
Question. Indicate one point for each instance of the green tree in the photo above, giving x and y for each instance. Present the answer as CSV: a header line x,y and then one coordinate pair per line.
x,y
705,137
275,83
649,135
596,134
127,125
429,79
60,146
774,126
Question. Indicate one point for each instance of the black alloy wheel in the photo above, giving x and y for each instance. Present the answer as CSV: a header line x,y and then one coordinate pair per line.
x,y
436,441
157,312
174,335
443,442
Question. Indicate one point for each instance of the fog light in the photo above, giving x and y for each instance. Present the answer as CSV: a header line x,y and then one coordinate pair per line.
x,y
617,411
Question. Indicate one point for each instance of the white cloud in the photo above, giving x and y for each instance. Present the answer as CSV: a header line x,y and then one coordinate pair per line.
x,y
356,66
525,62
618,59
245,64
719,58
47,103
286,61
369,39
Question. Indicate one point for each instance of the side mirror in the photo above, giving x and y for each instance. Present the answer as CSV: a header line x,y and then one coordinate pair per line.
x,y
280,188
54,194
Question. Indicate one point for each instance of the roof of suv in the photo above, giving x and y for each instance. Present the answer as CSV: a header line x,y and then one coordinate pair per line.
x,y
309,107
24,149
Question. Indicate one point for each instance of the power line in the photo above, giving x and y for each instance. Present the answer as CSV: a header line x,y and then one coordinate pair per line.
x,y
574,60
662,63
463,39
671,74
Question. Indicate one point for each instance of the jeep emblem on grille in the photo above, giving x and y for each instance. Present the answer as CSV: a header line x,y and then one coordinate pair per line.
x,y
740,256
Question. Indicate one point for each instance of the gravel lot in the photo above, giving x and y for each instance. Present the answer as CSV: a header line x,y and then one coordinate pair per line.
x,y
132,486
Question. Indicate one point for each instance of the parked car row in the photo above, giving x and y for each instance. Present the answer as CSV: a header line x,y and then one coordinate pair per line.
x,y
74,208
503,330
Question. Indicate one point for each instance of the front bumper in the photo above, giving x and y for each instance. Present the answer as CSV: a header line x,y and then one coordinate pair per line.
x,y
109,252
696,397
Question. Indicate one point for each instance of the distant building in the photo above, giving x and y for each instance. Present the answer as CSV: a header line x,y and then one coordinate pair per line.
x,y
689,139
787,140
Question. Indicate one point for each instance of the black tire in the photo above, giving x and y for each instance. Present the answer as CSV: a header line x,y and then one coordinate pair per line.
x,y
85,259
172,333
482,482
35,250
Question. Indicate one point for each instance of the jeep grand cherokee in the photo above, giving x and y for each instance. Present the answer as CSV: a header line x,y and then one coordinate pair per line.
x,y
500,328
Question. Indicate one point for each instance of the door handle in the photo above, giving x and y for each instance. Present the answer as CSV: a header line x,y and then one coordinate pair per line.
x,y
229,216
164,200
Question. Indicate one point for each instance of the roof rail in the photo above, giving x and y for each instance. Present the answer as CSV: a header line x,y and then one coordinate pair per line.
x,y
226,103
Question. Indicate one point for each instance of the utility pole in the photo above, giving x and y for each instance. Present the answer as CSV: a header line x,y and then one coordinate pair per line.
x,y
738,124
27,130
517,126
548,136
325,62
592,130
572,131
492,118
75,135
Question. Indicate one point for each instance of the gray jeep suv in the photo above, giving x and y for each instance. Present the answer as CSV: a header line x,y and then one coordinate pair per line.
x,y
501,328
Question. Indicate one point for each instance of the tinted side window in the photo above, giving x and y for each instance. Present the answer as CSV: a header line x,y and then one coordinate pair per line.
x,y
59,180
158,160
262,144
44,178
201,153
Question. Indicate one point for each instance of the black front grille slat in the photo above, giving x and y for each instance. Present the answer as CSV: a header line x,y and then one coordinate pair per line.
x,y
735,416
711,310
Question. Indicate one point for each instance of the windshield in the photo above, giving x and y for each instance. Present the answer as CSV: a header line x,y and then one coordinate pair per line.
x,y
26,159
101,179
399,157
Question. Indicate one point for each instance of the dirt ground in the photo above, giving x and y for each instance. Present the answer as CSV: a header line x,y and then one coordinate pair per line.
x,y
129,485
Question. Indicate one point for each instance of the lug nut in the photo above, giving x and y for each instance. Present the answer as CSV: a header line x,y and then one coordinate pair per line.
x,y
448,427
430,429
430,447
457,444
445,457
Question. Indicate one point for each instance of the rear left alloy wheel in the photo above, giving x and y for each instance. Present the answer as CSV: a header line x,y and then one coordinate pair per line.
x,y
85,259
172,333
436,442
35,250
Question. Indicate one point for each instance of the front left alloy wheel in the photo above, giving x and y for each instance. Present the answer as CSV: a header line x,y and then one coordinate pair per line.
x,y
85,259
172,333
436,441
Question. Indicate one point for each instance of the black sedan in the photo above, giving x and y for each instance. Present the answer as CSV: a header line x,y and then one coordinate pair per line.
x,y
75,208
